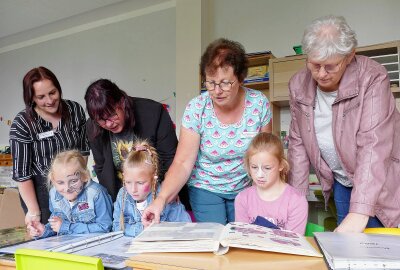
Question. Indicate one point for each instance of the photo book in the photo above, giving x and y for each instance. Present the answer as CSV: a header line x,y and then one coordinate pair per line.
x,y
217,238
359,250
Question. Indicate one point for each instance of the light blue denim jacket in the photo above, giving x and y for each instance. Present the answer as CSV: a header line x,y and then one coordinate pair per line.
x,y
92,211
133,219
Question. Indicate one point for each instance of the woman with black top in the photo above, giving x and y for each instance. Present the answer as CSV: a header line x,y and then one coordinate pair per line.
x,y
116,121
47,126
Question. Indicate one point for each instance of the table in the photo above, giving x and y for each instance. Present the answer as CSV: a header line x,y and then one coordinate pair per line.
x,y
235,259
9,237
7,263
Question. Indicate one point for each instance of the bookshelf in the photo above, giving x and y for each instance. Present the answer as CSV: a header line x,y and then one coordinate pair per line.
x,y
259,81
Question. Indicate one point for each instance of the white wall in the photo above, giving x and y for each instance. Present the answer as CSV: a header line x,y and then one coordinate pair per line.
x,y
138,53
278,25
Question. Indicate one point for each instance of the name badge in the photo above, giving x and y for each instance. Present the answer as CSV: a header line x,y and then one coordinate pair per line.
x,y
46,134
248,134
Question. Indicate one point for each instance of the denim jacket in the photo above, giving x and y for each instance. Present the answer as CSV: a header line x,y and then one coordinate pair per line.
x,y
173,212
92,211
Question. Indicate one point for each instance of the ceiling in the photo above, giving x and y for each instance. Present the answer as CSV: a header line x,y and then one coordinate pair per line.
x,y
21,15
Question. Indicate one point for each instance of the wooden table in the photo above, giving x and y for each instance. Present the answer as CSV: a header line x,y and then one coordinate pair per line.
x,y
9,237
7,263
235,259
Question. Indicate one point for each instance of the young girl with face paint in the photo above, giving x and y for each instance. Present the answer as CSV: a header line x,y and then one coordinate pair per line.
x,y
270,197
77,204
140,174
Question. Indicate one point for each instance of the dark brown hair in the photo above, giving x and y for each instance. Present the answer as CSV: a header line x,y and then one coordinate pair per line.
x,y
222,53
102,98
36,75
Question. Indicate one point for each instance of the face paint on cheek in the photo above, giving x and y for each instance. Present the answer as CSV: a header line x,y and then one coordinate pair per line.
x,y
147,188
77,186
262,173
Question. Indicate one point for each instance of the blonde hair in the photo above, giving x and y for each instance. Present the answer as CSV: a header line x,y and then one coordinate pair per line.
x,y
267,142
141,154
66,158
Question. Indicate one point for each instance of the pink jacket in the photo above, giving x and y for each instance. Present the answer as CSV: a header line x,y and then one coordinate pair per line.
x,y
366,131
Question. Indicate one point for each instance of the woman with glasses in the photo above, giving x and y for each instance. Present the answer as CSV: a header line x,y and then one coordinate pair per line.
x,y
217,127
116,121
48,125
346,125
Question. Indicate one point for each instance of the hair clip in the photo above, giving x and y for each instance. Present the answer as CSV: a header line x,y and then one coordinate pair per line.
x,y
144,148
148,162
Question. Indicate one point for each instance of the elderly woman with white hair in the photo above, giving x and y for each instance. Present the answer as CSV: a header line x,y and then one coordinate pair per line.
x,y
346,125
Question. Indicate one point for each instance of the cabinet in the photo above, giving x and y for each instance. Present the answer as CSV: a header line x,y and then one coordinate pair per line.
x,y
262,82
282,69
5,160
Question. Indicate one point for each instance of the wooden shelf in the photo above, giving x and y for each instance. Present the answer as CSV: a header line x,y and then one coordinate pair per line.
x,y
258,85
5,160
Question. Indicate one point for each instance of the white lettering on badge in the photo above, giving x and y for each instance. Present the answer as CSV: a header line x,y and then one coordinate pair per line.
x,y
46,134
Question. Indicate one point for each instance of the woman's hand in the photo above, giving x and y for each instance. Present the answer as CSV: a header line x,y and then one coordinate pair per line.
x,y
35,228
153,212
32,217
353,222
55,223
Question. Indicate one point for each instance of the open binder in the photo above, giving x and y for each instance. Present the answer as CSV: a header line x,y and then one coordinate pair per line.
x,y
109,247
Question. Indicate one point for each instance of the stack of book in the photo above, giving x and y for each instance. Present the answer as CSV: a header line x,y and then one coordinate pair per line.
x,y
257,74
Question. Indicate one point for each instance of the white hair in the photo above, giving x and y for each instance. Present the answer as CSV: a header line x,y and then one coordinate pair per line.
x,y
328,36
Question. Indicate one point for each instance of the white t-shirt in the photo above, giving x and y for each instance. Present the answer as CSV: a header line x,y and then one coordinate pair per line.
x,y
323,130
141,206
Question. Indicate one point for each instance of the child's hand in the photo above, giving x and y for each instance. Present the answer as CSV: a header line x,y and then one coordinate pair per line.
x,y
35,228
55,223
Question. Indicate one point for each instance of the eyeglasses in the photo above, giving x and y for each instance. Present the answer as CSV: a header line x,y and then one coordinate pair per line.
x,y
331,68
224,85
112,118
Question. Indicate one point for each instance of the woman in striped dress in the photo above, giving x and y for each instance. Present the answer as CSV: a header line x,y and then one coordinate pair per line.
x,y
47,126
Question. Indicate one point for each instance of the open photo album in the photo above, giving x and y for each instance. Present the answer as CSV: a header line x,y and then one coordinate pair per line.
x,y
217,238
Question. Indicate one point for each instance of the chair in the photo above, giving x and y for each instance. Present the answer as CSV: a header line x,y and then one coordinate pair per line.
x,y
311,228
33,259
393,231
